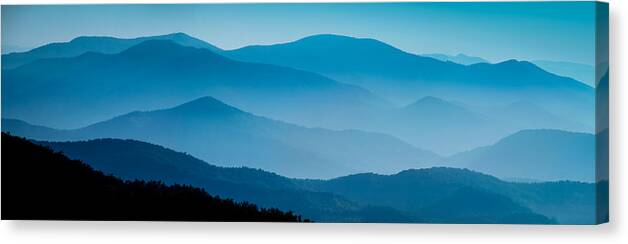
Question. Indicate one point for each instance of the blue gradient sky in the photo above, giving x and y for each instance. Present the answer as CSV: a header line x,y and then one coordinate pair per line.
x,y
561,31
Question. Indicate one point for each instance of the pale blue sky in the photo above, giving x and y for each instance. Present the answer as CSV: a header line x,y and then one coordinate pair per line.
x,y
561,31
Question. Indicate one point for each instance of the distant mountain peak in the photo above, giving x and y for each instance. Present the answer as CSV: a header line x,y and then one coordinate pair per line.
x,y
178,34
459,58
430,101
169,48
511,61
552,151
88,38
517,63
541,136
206,104
149,44
326,37
441,170
340,40
438,112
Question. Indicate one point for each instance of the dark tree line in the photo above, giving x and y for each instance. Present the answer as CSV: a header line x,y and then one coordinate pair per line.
x,y
38,183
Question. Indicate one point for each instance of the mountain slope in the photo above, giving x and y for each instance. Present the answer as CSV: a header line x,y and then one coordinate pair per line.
x,y
581,72
535,154
38,184
436,107
463,196
403,77
8,48
74,92
527,115
449,127
129,159
224,135
99,44
439,125
416,193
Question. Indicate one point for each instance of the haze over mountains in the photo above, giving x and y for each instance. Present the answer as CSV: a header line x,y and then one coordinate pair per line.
x,y
578,71
403,77
224,135
543,154
164,74
74,92
448,127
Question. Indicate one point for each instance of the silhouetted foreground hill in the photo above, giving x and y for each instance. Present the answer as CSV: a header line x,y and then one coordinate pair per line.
x,y
40,184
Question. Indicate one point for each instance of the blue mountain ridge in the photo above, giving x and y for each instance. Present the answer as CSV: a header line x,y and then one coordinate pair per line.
x,y
535,154
581,72
74,92
448,127
225,135
403,77
99,44
153,75
203,126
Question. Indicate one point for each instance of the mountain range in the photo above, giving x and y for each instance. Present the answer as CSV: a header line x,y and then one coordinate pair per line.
x,y
448,127
340,58
99,44
407,196
164,71
225,135
581,72
403,77
77,91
